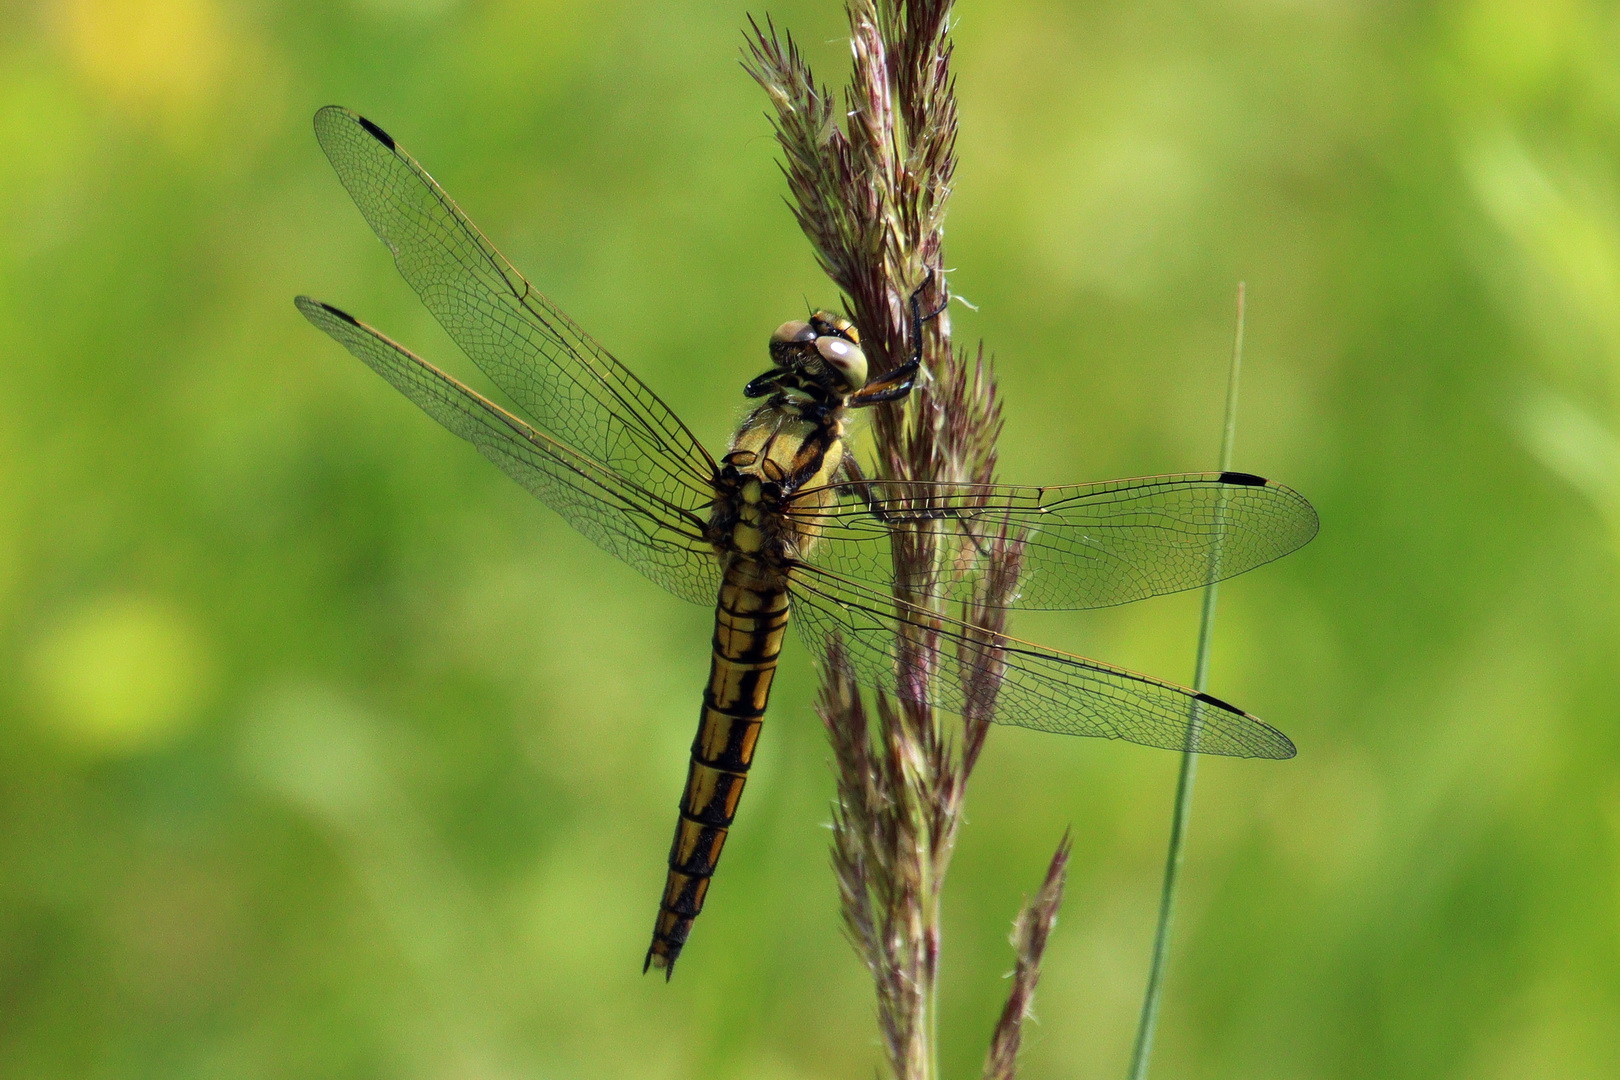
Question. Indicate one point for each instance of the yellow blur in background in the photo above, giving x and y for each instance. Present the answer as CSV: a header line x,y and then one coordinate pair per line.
x,y
327,752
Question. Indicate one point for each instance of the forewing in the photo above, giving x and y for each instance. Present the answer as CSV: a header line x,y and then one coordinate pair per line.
x,y
1084,545
570,386
659,537
1039,688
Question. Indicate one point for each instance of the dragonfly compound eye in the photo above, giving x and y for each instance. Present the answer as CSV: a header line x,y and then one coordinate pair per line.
x,y
790,332
845,358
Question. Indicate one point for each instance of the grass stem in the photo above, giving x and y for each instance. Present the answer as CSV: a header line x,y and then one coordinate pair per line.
x,y
1182,814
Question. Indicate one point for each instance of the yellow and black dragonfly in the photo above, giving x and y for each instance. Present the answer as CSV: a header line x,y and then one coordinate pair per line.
x,y
783,525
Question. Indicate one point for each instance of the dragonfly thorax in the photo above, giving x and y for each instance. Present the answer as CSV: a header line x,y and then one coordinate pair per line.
x,y
781,456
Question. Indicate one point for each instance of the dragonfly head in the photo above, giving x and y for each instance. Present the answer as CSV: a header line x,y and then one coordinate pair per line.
x,y
821,354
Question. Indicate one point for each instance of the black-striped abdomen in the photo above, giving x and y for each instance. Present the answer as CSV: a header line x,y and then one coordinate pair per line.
x,y
748,628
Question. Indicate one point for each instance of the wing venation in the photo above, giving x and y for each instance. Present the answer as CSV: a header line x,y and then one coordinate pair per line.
x,y
1039,688
570,387
1084,546
661,539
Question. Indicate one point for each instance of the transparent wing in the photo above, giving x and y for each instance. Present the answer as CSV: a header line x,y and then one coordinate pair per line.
x,y
1040,688
570,386
661,538
1085,545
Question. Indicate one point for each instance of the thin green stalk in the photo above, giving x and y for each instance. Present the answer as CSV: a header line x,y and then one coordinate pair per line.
x,y
1182,813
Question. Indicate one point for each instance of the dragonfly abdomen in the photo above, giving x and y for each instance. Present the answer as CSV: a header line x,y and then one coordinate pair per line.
x,y
750,620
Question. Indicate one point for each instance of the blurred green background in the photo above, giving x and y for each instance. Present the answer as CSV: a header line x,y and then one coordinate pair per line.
x,y
326,752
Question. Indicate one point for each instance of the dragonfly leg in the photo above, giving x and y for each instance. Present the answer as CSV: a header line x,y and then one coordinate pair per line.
x,y
899,382
893,386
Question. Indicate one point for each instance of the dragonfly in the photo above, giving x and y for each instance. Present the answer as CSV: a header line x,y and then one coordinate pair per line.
x,y
783,527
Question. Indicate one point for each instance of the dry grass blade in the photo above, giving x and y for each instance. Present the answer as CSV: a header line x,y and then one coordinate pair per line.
x,y
869,176
1030,931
